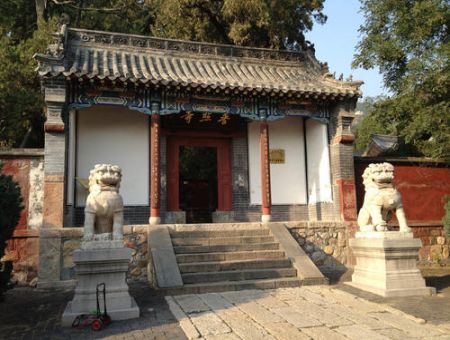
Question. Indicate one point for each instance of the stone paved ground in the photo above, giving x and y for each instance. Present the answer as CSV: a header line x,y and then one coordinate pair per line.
x,y
35,314
321,312
434,309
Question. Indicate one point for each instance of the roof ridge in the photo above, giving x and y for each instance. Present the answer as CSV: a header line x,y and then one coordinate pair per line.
x,y
143,41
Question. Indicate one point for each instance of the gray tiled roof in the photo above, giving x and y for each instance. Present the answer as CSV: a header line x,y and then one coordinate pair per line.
x,y
148,60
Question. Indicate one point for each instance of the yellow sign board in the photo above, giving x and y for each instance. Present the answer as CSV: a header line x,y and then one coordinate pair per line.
x,y
276,156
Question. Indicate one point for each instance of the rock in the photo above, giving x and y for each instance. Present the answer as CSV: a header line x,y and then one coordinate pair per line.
x,y
33,283
301,241
317,256
440,240
20,278
141,238
324,235
129,244
424,252
309,248
329,250
435,252
136,272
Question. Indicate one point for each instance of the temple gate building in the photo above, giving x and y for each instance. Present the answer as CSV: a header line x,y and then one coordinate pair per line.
x,y
204,133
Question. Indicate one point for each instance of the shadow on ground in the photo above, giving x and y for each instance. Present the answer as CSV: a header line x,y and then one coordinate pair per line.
x,y
30,313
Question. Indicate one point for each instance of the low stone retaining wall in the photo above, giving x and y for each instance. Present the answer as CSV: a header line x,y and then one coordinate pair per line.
x,y
435,249
58,245
326,243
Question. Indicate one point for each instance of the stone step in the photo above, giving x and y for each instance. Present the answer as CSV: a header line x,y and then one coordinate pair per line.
x,y
214,227
238,275
200,288
197,267
225,248
191,241
227,256
219,233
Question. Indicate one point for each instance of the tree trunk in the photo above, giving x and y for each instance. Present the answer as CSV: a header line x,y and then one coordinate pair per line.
x,y
41,10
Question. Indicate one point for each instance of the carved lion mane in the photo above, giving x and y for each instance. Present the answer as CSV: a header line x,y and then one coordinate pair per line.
x,y
381,199
104,205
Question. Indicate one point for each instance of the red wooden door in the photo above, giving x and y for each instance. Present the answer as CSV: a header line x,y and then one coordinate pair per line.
x,y
223,169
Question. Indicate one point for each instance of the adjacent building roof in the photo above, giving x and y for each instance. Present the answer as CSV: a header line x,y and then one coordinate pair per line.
x,y
381,144
148,60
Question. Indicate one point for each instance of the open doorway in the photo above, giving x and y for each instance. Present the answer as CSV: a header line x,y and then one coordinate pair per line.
x,y
198,183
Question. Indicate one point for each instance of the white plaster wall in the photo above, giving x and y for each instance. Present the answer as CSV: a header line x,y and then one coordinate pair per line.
x,y
318,160
118,136
36,194
288,180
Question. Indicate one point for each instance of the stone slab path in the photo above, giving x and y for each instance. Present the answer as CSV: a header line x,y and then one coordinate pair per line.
x,y
319,312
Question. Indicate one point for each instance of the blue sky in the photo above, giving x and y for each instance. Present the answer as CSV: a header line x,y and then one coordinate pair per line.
x,y
335,43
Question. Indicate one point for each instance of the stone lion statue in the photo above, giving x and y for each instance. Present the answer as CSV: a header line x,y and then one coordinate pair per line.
x,y
381,199
104,206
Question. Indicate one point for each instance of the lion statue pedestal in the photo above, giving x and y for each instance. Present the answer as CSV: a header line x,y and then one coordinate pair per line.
x,y
386,261
102,257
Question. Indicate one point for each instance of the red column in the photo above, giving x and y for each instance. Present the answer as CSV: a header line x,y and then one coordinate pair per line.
x,y
155,173
265,171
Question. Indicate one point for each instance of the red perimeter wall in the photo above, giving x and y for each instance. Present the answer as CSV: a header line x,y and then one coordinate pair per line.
x,y
422,185
23,248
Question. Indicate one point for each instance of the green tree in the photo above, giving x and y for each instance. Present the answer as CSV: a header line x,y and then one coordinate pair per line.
x,y
10,208
409,41
259,23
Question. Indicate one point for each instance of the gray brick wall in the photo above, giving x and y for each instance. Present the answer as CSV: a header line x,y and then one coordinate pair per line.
x,y
135,214
55,153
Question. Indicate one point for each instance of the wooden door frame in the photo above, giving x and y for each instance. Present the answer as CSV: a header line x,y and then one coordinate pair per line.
x,y
223,146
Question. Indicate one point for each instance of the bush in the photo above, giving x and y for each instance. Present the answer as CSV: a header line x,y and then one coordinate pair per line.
x,y
446,219
10,208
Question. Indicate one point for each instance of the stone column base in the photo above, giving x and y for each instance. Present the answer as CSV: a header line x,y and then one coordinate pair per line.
x,y
266,218
154,220
94,266
386,264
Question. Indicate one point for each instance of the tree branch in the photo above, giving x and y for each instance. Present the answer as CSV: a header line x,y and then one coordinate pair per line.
x,y
73,4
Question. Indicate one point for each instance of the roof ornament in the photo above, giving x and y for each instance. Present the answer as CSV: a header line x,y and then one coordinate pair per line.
x,y
350,78
56,48
324,68
341,77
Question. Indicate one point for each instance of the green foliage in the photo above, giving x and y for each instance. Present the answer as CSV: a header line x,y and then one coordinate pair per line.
x,y
259,23
408,41
10,208
21,102
446,218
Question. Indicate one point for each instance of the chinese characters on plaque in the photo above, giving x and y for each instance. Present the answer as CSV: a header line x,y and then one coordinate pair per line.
x,y
205,117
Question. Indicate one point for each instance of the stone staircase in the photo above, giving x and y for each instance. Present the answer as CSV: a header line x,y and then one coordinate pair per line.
x,y
230,258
